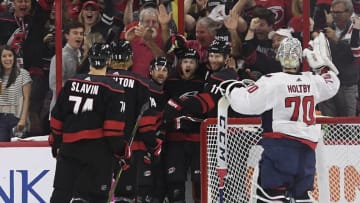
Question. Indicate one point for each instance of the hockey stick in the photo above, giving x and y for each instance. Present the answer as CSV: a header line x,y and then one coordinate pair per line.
x,y
222,152
144,107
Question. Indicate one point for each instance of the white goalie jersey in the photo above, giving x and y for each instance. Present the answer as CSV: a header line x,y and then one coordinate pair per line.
x,y
292,99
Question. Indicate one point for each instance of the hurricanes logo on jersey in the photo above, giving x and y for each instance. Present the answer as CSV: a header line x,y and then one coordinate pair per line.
x,y
188,94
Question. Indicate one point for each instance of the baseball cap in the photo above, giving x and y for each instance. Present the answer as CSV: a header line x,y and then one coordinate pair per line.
x,y
149,3
94,4
281,31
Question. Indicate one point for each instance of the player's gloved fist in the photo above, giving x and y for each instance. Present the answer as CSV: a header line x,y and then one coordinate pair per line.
x,y
54,142
124,164
126,152
153,155
172,109
188,124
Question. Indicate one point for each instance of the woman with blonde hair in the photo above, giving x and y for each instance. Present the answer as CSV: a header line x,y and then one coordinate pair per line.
x,y
95,20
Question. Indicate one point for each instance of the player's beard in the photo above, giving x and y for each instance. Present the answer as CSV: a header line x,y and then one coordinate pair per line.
x,y
216,66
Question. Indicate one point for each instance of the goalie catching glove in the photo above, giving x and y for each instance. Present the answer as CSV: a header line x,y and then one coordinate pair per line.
x,y
319,56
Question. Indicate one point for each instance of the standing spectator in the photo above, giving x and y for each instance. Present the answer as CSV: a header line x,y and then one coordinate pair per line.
x,y
71,55
15,87
355,47
261,24
296,22
147,37
287,165
281,10
322,8
96,21
339,34
260,42
206,30
258,62
22,29
87,131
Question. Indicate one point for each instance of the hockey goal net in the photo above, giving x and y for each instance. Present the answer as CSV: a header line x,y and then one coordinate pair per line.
x,y
337,170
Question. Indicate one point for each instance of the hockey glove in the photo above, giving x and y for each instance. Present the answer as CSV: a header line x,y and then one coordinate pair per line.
x,y
152,156
188,124
54,142
124,158
325,52
319,57
172,109
124,161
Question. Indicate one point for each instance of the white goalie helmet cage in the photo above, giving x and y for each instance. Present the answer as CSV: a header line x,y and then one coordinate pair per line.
x,y
290,53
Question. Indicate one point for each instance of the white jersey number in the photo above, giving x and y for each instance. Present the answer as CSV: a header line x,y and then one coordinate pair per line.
x,y
306,105
87,104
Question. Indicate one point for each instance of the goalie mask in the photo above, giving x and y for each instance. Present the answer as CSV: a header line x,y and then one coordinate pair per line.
x,y
290,54
99,54
121,50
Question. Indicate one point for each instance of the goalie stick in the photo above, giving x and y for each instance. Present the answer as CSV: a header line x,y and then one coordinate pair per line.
x,y
144,107
222,152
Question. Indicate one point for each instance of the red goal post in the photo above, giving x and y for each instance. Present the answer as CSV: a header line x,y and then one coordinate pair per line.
x,y
337,154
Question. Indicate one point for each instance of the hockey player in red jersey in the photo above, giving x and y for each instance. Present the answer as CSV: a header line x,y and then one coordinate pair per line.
x,y
135,182
87,131
287,103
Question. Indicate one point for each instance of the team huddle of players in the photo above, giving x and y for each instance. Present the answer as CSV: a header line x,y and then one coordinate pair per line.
x,y
97,131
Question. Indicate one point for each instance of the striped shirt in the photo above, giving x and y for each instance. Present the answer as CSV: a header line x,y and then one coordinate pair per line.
x,y
11,96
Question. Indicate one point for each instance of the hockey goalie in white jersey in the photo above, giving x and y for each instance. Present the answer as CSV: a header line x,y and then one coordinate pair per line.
x,y
286,101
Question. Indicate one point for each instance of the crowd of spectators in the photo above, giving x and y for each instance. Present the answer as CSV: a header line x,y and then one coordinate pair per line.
x,y
254,28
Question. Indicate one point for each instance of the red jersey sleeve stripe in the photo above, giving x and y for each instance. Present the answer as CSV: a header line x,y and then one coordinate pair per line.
x,y
206,102
56,124
111,133
84,134
113,124
148,120
56,131
147,129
